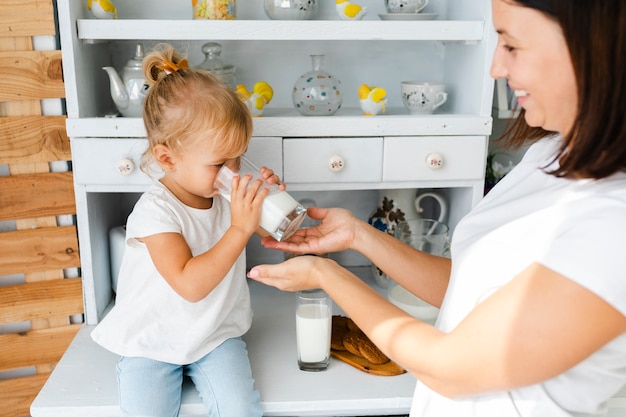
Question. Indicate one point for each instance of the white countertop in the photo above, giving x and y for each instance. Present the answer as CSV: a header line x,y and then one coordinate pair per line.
x,y
84,381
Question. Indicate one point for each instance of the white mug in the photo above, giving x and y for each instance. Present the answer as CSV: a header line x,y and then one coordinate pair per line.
x,y
405,6
422,97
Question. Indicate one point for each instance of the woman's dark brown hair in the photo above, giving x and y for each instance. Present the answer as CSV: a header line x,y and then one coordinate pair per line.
x,y
595,32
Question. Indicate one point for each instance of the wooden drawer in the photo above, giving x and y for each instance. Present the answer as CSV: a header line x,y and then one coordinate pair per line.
x,y
307,160
112,161
411,158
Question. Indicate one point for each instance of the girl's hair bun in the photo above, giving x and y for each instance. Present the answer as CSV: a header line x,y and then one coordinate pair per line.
x,y
162,61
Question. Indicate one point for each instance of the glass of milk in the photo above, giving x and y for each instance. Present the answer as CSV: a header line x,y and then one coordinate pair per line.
x,y
313,327
281,214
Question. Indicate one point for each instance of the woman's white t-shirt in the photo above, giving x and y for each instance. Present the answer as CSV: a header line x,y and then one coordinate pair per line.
x,y
574,227
149,318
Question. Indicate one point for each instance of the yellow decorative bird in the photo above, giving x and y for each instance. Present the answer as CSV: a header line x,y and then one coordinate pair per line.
x,y
350,11
372,100
256,100
102,9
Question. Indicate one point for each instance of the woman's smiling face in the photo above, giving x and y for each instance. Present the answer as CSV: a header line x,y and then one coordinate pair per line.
x,y
533,55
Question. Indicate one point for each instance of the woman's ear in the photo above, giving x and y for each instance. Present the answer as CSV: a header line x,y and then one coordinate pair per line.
x,y
163,156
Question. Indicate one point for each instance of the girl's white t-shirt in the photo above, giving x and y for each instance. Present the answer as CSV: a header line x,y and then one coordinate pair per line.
x,y
149,318
574,227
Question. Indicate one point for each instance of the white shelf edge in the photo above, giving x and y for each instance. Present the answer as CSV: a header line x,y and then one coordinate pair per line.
x,y
285,30
507,114
331,126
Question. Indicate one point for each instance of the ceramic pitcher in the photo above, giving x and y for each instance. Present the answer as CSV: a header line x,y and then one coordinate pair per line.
x,y
403,204
399,205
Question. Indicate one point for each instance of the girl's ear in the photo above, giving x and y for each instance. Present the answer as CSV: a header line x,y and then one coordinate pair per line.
x,y
163,156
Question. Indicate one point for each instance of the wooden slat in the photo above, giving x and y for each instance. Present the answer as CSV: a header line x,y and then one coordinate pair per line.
x,y
33,139
31,75
36,195
16,395
26,18
39,300
42,250
18,108
25,251
21,350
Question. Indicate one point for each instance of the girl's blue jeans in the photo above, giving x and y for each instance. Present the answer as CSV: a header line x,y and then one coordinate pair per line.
x,y
150,388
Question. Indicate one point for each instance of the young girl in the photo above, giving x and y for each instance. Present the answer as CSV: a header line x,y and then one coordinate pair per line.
x,y
182,300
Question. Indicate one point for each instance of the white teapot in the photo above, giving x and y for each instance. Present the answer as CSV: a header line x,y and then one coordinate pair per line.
x,y
129,88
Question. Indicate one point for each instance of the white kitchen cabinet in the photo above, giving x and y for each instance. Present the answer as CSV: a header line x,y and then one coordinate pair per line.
x,y
384,151
392,150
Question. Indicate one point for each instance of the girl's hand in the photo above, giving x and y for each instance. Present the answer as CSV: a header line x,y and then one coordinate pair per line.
x,y
337,232
271,178
245,203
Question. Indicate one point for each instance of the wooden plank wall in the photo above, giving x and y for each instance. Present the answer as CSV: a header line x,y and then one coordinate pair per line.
x,y
36,249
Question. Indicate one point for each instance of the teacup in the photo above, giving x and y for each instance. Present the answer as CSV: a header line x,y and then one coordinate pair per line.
x,y
405,6
422,97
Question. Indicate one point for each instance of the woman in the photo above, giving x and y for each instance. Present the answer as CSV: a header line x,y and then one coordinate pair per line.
x,y
533,302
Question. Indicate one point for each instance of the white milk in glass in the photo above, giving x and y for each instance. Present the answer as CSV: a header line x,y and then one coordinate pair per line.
x,y
281,214
313,327
276,208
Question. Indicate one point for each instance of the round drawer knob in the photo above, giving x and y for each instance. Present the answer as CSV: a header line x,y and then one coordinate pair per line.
x,y
336,163
434,161
125,166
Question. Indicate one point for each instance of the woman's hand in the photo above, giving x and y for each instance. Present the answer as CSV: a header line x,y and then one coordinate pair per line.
x,y
337,232
299,273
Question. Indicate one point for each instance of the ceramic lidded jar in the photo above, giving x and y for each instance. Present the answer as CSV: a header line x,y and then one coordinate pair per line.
x,y
290,9
317,92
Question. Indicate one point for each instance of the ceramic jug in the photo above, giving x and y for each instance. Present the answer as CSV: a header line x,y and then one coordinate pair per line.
x,y
404,204
129,88
400,205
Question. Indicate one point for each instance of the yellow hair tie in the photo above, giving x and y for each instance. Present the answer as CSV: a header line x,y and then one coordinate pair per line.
x,y
170,67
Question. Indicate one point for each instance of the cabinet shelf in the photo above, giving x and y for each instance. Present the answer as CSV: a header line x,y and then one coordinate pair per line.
x,y
455,50
288,124
261,30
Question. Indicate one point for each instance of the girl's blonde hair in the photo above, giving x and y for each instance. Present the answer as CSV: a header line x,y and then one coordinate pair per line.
x,y
185,104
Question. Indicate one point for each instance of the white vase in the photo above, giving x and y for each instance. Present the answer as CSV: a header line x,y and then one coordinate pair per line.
x,y
317,92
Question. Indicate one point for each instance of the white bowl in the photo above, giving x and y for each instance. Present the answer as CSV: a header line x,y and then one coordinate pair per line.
x,y
411,304
290,9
